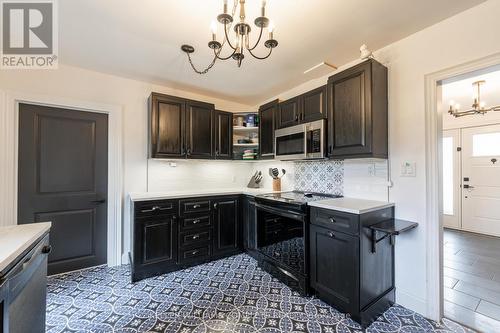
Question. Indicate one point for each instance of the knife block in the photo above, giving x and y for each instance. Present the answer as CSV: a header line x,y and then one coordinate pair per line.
x,y
277,185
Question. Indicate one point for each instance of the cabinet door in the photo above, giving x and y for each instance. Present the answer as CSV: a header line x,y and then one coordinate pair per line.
x,y
249,224
226,225
199,118
223,135
335,267
167,121
267,126
155,241
314,105
288,113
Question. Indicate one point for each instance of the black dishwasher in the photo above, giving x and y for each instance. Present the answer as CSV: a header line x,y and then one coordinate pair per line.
x,y
23,291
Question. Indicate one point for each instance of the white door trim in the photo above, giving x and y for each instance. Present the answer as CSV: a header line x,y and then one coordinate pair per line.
x,y
433,160
9,102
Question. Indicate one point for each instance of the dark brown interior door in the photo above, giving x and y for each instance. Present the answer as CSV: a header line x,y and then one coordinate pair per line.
x,y
63,178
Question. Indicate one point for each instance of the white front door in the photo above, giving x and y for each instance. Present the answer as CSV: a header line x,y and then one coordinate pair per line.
x,y
451,179
481,179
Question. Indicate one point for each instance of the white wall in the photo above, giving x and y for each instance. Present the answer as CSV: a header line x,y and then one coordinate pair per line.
x,y
466,37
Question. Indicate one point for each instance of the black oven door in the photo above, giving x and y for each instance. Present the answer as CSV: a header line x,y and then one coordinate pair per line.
x,y
280,237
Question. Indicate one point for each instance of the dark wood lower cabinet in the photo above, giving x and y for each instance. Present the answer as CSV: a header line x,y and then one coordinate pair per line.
x,y
226,226
335,264
155,246
249,220
168,235
344,271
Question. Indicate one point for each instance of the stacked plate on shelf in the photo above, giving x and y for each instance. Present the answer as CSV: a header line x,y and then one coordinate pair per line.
x,y
249,154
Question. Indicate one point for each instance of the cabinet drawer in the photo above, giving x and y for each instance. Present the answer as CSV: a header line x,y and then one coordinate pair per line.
x,y
156,207
196,222
198,253
193,237
334,220
195,206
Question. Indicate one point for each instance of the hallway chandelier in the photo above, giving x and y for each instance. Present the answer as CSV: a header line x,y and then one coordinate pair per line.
x,y
478,106
240,43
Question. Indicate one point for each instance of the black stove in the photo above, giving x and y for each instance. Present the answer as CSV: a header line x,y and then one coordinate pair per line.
x,y
296,197
283,235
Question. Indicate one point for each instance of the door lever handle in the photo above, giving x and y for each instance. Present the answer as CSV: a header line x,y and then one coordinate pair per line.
x,y
101,201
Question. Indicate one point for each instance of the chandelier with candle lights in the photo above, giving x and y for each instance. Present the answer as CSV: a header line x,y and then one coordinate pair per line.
x,y
478,106
240,43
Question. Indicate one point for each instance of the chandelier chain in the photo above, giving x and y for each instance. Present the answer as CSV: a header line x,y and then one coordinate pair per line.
x,y
205,71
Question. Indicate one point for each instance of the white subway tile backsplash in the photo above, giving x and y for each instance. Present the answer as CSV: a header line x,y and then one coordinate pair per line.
x,y
367,179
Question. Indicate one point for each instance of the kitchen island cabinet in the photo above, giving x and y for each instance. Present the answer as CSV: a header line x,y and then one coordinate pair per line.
x,y
351,264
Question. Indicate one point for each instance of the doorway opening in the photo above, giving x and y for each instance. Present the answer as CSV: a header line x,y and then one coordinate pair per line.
x,y
470,180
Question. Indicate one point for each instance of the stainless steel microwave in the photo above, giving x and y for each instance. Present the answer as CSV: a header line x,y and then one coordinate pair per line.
x,y
301,142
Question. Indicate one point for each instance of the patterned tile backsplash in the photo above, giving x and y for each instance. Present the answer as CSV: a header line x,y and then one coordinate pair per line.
x,y
320,176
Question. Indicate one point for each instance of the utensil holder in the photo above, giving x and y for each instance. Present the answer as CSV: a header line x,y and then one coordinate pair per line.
x,y
277,185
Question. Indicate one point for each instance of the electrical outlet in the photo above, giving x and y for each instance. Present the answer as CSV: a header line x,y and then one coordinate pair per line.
x,y
408,169
371,170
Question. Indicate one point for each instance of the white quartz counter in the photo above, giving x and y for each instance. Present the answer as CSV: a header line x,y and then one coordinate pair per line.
x,y
351,205
196,193
15,239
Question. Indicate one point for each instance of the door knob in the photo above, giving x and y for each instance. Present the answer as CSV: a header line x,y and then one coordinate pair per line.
x,y
47,249
493,160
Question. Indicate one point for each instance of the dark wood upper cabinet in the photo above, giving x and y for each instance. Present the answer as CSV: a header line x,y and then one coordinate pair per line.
x,y
314,105
167,122
226,225
267,125
288,113
223,135
357,110
180,128
307,107
199,136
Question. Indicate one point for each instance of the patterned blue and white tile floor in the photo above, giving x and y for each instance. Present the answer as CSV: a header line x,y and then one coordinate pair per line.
x,y
228,295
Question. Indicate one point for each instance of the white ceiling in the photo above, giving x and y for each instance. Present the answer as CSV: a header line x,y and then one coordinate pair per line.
x,y
141,39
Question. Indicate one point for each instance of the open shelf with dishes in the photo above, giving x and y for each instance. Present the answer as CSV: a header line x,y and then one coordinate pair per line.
x,y
245,136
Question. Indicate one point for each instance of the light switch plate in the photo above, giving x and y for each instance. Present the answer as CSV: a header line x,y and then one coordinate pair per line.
x,y
408,169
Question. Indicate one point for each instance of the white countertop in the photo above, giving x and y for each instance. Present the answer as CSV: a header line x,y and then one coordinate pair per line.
x,y
197,193
351,205
15,239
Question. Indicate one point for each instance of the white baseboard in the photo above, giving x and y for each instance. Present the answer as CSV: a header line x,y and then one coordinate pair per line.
x,y
411,302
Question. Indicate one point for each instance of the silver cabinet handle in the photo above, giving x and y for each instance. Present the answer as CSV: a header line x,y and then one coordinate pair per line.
x,y
196,236
215,205
196,206
196,221
194,252
332,220
156,208
331,234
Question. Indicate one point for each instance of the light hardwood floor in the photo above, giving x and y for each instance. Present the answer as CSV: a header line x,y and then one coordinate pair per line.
x,y
472,279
